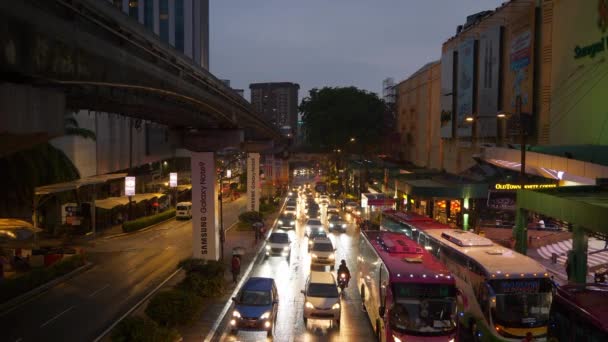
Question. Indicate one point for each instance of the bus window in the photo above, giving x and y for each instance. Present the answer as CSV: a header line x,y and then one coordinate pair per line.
x,y
383,284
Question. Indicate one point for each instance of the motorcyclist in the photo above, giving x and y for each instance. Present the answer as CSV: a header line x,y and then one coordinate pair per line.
x,y
343,269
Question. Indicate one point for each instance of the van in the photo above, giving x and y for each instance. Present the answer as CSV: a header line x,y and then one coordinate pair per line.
x,y
183,211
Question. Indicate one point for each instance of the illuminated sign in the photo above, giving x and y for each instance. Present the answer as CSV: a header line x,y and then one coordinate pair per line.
x,y
173,179
129,186
508,186
601,44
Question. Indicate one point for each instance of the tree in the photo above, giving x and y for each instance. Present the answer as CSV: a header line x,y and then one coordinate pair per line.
x,y
332,116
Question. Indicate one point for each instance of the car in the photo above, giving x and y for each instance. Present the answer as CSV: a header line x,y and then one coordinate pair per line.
x,y
255,306
291,202
322,253
313,214
183,211
324,199
290,210
286,221
321,298
332,210
335,222
350,206
313,224
278,245
314,234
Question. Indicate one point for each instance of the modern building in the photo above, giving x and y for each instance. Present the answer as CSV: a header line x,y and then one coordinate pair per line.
x,y
388,90
418,113
277,103
184,24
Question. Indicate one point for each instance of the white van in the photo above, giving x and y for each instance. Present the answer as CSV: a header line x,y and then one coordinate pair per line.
x,y
183,211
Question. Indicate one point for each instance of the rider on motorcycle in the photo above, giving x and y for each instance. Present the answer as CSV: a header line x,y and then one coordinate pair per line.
x,y
345,270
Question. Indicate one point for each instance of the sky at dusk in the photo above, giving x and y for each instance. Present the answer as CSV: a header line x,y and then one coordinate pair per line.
x,y
320,43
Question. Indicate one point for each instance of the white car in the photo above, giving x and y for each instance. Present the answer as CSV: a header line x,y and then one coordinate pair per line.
x,y
183,211
321,298
291,210
323,199
278,244
322,253
350,206
313,224
332,210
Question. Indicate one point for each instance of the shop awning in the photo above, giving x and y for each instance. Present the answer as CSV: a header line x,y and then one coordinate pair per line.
x,y
435,189
112,202
15,229
75,184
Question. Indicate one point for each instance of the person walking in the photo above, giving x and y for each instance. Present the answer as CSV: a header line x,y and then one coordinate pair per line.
x,y
236,268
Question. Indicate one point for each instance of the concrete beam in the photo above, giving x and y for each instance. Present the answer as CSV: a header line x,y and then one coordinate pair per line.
x,y
257,146
212,140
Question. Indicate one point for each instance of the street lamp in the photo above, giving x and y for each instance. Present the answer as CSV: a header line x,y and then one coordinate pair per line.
x,y
352,139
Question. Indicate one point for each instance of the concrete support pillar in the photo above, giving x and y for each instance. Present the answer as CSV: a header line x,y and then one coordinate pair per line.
x,y
253,182
520,234
577,258
205,225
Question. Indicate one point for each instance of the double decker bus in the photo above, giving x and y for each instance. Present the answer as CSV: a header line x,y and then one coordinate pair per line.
x,y
579,313
407,293
505,295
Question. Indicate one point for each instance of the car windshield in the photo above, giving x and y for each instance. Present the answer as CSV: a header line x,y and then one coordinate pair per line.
x,y
291,208
279,238
255,298
317,233
314,223
522,303
322,290
426,317
287,217
334,218
322,247
181,207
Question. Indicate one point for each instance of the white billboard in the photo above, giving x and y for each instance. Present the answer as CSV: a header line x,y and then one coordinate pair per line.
x,y
490,42
173,180
205,233
129,186
465,86
253,190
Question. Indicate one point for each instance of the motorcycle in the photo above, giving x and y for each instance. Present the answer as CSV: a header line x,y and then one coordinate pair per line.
x,y
343,281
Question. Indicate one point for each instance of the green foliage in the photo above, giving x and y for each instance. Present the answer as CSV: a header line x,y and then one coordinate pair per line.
x,y
174,307
11,288
140,329
333,115
140,223
201,285
251,217
208,268
267,208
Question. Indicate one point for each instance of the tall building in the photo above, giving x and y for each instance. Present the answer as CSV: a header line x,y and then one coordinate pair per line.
x,y
184,24
389,91
277,103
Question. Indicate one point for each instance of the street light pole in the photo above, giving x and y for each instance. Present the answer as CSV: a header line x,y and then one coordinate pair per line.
x,y
222,233
522,139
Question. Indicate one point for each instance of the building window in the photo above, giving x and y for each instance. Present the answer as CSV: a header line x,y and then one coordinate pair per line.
x,y
149,14
163,17
179,25
133,9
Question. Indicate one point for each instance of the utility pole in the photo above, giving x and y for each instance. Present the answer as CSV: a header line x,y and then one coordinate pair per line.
x,y
130,163
522,138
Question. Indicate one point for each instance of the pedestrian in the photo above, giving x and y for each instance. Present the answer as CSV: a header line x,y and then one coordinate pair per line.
x,y
236,267
529,337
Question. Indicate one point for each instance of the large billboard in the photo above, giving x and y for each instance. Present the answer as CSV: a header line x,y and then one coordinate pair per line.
x,y
490,42
205,233
465,87
447,91
253,182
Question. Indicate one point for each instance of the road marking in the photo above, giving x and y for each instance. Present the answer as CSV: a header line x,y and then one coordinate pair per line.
x,y
101,289
57,316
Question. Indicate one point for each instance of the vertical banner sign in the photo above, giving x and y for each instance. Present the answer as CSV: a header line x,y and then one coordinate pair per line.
x,y
129,186
205,234
466,84
173,180
253,174
488,85
447,91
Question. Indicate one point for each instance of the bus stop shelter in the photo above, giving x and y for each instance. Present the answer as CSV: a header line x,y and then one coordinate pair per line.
x,y
585,208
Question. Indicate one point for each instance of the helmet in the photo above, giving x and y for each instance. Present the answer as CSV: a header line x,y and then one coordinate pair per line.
x,y
343,262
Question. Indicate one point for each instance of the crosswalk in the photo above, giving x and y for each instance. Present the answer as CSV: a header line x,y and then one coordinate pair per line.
x,y
594,258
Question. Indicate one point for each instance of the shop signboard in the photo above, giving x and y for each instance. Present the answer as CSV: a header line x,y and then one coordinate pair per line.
x,y
253,182
502,200
129,186
447,97
466,85
489,77
205,235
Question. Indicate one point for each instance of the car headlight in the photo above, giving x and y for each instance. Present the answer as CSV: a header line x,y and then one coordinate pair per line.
x,y
313,255
343,225
451,340
267,247
265,315
331,225
332,256
236,314
336,306
397,339
293,223
309,305
286,248
280,222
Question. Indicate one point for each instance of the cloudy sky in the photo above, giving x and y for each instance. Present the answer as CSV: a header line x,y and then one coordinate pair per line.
x,y
320,43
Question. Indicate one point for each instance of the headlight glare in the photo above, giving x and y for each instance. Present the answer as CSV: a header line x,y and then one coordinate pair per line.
x,y
236,314
280,222
331,256
265,315
309,305
286,248
267,247
335,306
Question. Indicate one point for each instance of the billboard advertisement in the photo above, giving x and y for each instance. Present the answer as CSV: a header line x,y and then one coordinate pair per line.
x,y
489,81
253,182
129,186
521,67
447,97
205,233
465,86
173,180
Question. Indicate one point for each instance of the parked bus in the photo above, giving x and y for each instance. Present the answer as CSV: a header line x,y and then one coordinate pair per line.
x,y
579,313
407,293
408,223
505,295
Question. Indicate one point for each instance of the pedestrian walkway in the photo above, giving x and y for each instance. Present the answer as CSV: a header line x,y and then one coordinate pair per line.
x,y
596,256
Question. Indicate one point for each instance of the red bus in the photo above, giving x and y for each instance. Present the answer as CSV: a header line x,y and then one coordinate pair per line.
x,y
407,293
579,313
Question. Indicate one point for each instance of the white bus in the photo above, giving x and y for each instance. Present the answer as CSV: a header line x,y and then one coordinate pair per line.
x,y
505,295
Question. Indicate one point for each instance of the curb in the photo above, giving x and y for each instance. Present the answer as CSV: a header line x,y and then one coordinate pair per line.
x,y
214,328
137,305
109,237
14,303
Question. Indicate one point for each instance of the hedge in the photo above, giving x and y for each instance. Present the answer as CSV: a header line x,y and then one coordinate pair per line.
x,y
140,223
140,329
11,288
174,307
203,267
201,285
251,217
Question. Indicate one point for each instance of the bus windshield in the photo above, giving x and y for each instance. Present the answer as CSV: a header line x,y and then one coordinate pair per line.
x,y
522,303
423,309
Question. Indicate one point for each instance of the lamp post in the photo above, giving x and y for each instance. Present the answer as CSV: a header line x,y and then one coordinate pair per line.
x,y
226,169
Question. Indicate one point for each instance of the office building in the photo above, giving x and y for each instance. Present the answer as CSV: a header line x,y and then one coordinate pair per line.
x,y
277,103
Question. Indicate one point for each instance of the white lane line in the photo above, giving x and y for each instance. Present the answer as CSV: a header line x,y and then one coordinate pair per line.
x,y
99,290
57,316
